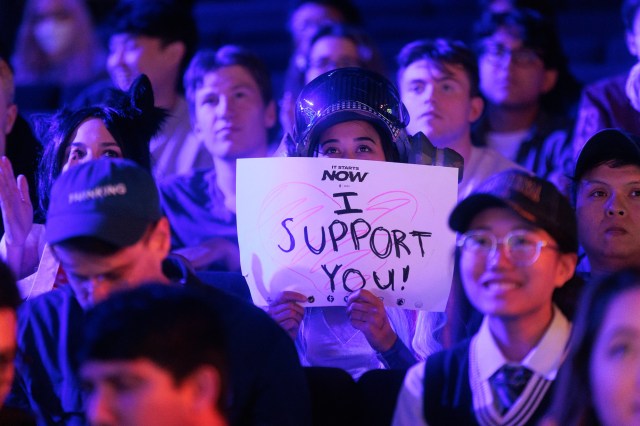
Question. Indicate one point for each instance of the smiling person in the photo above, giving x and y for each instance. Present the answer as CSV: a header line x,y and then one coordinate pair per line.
x,y
607,199
598,383
517,246
439,83
121,128
232,109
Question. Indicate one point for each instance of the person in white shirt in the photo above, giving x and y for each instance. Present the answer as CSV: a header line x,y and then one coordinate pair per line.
x,y
518,245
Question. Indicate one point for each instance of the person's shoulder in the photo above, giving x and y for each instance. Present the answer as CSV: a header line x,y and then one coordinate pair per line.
x,y
606,86
49,310
174,184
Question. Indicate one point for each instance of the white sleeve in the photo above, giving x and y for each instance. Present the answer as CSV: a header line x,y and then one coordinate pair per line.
x,y
409,411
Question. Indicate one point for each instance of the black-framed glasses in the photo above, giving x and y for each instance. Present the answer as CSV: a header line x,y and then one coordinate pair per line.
x,y
499,53
522,247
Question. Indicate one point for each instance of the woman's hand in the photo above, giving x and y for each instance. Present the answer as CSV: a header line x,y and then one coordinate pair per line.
x,y
17,211
287,311
366,313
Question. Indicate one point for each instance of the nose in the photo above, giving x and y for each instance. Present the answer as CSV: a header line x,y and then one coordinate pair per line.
x,y
498,257
224,108
429,93
98,408
615,207
115,57
97,289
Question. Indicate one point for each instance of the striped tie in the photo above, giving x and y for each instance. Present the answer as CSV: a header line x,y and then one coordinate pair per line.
x,y
507,384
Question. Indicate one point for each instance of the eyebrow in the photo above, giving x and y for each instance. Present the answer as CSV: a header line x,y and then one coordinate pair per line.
x,y
359,139
105,143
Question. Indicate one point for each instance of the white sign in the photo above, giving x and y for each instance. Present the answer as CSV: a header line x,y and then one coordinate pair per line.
x,y
327,227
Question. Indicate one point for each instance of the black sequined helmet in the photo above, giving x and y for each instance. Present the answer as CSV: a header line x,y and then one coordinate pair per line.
x,y
348,94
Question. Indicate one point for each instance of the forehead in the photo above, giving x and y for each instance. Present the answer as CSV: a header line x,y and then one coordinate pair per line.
x,y
142,368
334,45
605,173
426,69
353,128
88,264
500,217
508,36
142,40
92,129
226,78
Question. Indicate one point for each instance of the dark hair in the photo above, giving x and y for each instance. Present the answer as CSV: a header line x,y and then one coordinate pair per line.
x,y
536,32
539,34
346,8
369,56
168,20
441,52
207,61
130,117
572,402
629,11
9,294
175,327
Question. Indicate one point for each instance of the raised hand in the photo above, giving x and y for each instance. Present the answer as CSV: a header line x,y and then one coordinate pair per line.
x,y
17,210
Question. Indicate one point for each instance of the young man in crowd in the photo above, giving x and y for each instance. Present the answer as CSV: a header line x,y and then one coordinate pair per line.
x,y
168,343
157,38
521,62
232,108
438,82
606,194
517,246
105,226
17,142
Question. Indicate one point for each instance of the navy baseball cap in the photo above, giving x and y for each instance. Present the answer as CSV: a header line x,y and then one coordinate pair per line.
x,y
113,200
605,146
534,199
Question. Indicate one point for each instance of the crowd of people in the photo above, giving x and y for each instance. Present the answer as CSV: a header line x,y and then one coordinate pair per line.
x,y
122,300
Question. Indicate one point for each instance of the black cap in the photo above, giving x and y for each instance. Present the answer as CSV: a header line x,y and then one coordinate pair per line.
x,y
605,146
348,94
534,199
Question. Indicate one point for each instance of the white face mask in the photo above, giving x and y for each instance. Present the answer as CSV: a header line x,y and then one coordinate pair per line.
x,y
54,35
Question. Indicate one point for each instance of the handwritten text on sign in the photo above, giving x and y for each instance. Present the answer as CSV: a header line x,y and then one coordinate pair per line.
x,y
327,227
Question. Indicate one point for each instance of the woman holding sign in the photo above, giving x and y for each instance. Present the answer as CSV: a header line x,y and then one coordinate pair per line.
x,y
356,114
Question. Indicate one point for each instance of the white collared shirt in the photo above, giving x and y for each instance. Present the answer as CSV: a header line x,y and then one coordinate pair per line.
x,y
485,358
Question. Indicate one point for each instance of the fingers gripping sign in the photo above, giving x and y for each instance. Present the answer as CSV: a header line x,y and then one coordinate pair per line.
x,y
287,311
367,314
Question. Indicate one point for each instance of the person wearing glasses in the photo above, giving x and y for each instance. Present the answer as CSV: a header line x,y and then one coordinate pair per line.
x,y
517,246
525,82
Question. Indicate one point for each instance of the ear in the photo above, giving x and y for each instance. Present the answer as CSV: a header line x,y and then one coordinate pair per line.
x,y
549,80
270,115
174,52
206,388
477,106
160,238
12,114
631,43
566,268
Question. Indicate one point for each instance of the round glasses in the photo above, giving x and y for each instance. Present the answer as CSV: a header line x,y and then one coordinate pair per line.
x,y
499,53
521,247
